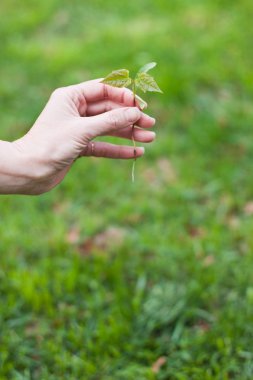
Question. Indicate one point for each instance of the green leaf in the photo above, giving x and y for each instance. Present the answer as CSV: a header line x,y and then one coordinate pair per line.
x,y
145,82
147,67
142,104
118,78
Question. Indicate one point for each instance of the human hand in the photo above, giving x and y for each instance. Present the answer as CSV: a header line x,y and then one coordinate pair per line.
x,y
64,131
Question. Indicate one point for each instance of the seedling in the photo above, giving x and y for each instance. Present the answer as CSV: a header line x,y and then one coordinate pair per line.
x,y
142,81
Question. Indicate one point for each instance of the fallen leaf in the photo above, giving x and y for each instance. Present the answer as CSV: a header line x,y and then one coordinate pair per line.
x,y
196,232
166,169
161,172
208,260
110,238
248,208
73,235
150,175
158,364
60,207
203,326
32,329
233,222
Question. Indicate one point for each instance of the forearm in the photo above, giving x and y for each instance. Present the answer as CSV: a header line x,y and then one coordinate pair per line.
x,y
13,178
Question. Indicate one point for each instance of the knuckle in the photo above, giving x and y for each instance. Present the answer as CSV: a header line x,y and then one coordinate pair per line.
x,y
105,91
128,117
108,106
113,120
131,97
59,92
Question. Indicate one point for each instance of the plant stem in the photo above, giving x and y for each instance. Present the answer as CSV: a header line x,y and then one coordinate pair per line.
x,y
133,140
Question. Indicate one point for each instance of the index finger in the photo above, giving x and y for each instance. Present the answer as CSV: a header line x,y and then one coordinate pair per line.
x,y
94,91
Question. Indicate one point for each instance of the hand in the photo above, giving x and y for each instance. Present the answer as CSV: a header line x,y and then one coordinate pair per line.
x,y
72,118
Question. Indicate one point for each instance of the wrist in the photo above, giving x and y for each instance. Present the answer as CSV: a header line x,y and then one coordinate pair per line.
x,y
34,168
15,177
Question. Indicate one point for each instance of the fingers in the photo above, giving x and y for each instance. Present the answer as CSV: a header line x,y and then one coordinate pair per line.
x,y
96,108
94,90
105,105
145,121
103,149
109,122
139,135
82,94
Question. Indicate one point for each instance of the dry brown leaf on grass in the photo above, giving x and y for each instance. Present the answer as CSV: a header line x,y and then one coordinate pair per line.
x,y
233,222
163,171
73,235
248,208
208,260
60,207
203,326
32,329
109,238
167,170
196,232
158,364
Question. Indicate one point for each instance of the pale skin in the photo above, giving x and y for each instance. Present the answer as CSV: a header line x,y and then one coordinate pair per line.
x,y
65,130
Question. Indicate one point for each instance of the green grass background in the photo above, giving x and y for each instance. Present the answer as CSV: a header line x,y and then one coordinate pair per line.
x,y
101,277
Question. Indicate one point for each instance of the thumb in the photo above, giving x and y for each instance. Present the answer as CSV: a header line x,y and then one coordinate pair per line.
x,y
111,121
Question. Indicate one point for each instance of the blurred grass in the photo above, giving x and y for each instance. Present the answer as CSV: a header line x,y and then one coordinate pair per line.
x,y
100,277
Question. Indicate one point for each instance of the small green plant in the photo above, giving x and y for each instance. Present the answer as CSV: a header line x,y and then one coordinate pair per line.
x,y
142,81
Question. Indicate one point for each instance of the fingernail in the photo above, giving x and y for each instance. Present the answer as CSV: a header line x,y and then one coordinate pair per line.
x,y
153,134
142,149
133,114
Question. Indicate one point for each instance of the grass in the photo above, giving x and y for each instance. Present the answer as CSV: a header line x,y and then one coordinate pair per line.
x,y
101,277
